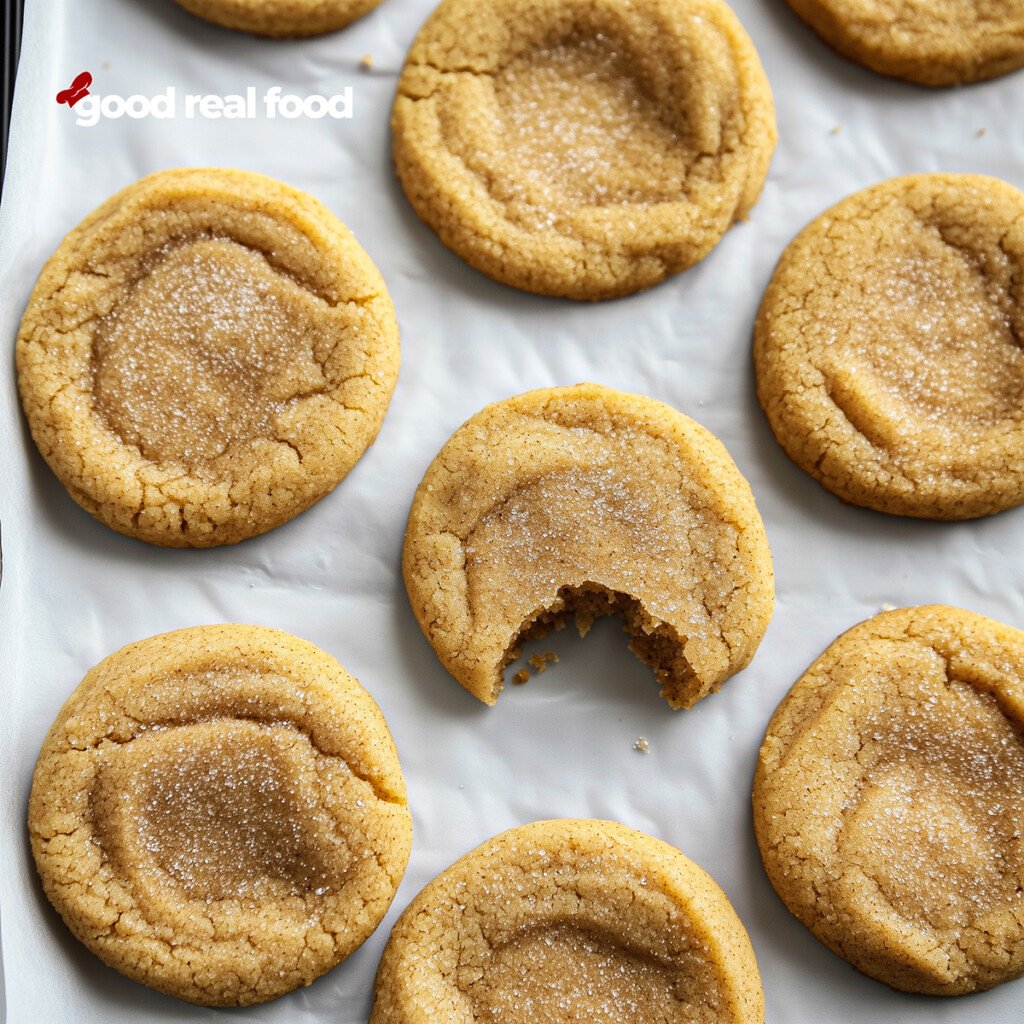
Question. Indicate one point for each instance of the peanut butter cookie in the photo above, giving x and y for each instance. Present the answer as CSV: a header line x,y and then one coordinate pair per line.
x,y
582,148
943,42
568,921
888,347
280,18
205,356
219,813
889,800
581,501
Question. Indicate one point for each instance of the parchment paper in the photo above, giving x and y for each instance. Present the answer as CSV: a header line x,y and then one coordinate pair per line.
x,y
73,591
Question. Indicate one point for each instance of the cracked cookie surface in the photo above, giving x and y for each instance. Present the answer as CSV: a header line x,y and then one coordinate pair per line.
x,y
280,18
205,356
583,501
889,800
946,42
582,148
888,347
569,921
219,813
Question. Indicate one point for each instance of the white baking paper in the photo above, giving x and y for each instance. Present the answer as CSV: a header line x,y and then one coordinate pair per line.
x,y
73,591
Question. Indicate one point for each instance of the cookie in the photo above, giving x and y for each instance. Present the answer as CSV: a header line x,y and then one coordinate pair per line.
x,y
939,43
889,800
205,356
219,813
582,148
887,347
280,18
579,502
567,921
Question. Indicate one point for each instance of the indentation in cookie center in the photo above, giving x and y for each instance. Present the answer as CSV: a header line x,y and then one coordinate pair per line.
x,y
225,810
938,821
204,351
937,335
939,860
568,974
577,128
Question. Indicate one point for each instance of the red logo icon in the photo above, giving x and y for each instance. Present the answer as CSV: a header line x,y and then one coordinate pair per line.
x,y
78,88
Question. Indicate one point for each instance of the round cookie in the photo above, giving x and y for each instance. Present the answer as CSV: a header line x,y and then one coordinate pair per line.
x,y
205,356
288,19
887,347
582,148
563,921
219,813
889,800
583,501
944,42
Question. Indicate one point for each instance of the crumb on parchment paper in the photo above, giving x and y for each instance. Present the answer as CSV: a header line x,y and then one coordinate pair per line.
x,y
540,661
641,745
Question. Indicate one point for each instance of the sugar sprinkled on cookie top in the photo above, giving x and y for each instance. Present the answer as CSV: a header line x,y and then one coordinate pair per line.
x,y
205,351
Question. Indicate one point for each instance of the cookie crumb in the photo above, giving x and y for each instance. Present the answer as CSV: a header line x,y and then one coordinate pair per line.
x,y
367,62
522,676
980,133
641,745
541,661
835,129
888,607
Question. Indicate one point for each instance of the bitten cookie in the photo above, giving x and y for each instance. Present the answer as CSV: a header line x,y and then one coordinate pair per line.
x,y
889,800
581,501
582,148
943,42
570,921
205,356
219,813
887,347
280,18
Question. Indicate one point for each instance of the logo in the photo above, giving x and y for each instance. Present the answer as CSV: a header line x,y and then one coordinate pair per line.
x,y
244,106
78,89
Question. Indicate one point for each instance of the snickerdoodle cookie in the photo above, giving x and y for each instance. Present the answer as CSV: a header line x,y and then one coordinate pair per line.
x,y
942,42
205,356
888,352
582,148
889,800
568,921
220,813
581,501
280,18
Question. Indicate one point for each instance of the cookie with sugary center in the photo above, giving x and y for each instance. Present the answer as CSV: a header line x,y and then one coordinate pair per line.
x,y
582,148
889,800
943,42
567,921
887,347
219,813
287,19
205,356
580,502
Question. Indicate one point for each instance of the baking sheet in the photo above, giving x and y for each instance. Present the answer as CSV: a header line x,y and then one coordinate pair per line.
x,y
74,591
